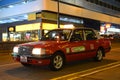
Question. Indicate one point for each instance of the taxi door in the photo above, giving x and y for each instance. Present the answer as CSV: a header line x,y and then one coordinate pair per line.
x,y
91,43
76,48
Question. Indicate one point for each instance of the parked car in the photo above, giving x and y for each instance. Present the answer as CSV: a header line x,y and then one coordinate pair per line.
x,y
110,36
59,46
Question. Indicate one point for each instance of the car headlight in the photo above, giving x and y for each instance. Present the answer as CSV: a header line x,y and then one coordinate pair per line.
x,y
38,51
15,49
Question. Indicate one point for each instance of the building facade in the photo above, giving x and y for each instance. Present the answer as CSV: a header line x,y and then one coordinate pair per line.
x,y
28,20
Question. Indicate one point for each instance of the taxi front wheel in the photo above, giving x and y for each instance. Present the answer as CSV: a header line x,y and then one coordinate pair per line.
x,y
57,62
99,55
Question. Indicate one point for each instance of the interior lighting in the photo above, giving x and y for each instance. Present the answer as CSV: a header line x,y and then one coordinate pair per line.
x,y
1,22
45,31
13,19
69,26
102,28
108,25
113,30
25,16
24,2
10,6
49,26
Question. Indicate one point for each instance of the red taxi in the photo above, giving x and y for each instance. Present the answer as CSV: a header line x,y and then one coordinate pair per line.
x,y
59,46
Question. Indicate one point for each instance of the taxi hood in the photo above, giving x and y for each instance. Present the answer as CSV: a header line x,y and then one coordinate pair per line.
x,y
43,43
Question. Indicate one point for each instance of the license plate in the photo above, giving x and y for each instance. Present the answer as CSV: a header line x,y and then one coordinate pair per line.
x,y
23,58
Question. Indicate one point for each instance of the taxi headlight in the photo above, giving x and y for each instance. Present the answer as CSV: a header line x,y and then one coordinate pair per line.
x,y
15,49
38,51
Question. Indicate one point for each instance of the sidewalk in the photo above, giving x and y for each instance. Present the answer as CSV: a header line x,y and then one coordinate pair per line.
x,y
6,58
5,52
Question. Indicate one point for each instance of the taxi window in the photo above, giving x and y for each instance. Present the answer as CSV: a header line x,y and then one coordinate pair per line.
x,y
77,35
54,35
90,35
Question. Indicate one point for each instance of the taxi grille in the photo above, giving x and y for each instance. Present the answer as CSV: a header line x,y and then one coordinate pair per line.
x,y
25,50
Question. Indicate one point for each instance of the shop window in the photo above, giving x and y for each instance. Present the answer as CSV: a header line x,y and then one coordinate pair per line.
x,y
27,36
4,36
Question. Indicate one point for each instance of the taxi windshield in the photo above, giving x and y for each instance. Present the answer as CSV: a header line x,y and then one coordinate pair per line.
x,y
59,34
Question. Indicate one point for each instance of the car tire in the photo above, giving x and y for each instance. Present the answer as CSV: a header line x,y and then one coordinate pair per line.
x,y
26,65
57,62
99,55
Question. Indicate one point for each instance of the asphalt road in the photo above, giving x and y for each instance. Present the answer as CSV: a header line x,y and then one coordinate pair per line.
x,y
108,69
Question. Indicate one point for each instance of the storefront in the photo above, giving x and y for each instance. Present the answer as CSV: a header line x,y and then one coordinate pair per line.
x,y
32,30
109,28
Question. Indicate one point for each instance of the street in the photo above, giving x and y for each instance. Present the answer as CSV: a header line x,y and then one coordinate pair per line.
x,y
108,69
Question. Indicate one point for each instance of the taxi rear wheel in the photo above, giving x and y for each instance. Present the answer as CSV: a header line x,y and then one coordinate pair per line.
x,y
99,55
57,62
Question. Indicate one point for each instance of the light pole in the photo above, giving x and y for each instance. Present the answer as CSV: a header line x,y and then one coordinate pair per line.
x,y
58,14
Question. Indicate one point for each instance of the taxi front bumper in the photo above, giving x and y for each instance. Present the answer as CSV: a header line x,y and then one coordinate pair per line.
x,y
42,60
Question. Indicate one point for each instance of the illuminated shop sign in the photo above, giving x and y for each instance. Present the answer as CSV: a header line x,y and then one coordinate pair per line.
x,y
11,29
109,28
65,18
104,27
73,20
113,30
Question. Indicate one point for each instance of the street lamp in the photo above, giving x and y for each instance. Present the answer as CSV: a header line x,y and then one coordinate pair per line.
x,y
58,14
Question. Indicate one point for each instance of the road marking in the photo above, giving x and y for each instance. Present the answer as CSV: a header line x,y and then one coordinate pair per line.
x,y
94,72
87,72
8,64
